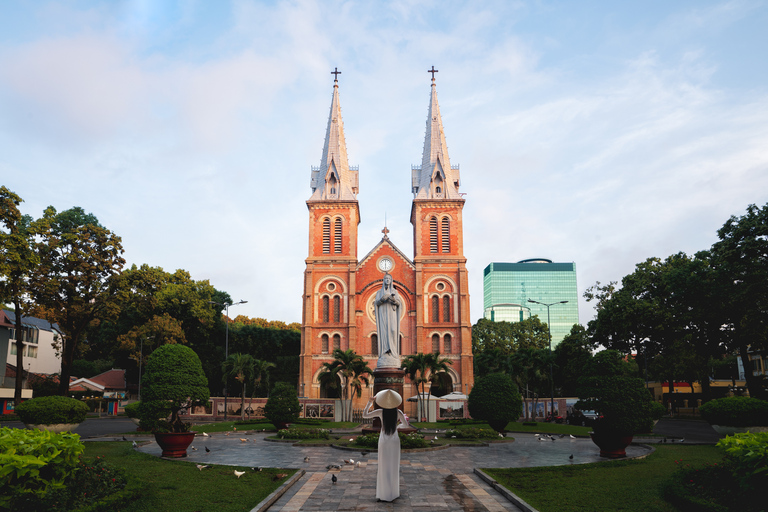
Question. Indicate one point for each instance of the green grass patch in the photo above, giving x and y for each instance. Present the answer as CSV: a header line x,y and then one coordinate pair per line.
x,y
549,428
170,486
628,485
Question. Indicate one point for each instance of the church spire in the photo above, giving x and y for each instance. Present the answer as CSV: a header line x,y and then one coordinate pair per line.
x,y
435,179
334,179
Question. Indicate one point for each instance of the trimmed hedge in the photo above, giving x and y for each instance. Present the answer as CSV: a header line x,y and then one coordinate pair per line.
x,y
282,405
735,411
472,433
304,433
52,410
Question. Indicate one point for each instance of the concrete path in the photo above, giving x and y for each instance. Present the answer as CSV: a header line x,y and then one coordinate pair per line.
x,y
429,481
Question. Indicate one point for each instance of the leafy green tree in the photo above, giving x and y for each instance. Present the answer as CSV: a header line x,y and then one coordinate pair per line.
x,y
241,368
509,337
495,399
740,263
663,313
75,282
352,368
17,261
571,355
492,361
173,379
531,370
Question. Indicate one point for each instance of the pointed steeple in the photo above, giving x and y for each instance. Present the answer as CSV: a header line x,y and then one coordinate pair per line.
x,y
436,179
334,179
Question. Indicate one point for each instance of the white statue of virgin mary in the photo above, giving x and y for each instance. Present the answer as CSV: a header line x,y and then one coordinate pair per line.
x,y
388,304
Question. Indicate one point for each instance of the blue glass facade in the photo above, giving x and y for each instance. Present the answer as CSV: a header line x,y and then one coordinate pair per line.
x,y
508,286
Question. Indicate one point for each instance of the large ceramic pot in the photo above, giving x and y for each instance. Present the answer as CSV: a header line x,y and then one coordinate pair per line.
x,y
613,446
174,444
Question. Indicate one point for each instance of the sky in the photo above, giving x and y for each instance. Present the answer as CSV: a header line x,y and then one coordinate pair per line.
x,y
598,132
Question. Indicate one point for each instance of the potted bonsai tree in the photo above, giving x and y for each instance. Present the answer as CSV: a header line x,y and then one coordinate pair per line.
x,y
173,380
53,413
735,414
495,399
282,406
623,405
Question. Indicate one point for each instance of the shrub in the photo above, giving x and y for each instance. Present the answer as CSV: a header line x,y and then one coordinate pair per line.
x,y
472,433
304,433
749,455
735,411
283,404
50,410
34,461
173,380
623,402
657,410
92,486
709,488
132,410
495,399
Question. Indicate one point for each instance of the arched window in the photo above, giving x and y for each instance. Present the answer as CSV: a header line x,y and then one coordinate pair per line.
x,y
435,343
324,339
446,234
337,236
374,344
326,307
326,236
336,342
447,344
446,309
435,309
433,234
337,309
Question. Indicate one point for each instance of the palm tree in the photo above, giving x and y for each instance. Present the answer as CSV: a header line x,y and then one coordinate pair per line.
x,y
261,374
416,367
239,367
351,367
436,366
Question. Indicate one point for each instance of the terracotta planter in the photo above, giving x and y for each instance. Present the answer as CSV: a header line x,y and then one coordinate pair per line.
x,y
174,444
612,446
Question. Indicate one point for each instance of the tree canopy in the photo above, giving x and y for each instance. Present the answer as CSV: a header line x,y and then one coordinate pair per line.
x,y
509,337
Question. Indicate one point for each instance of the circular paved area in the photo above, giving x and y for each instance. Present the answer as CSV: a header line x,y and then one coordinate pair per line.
x,y
437,480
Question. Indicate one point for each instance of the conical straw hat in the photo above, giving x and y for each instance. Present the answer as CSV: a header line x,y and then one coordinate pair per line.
x,y
388,399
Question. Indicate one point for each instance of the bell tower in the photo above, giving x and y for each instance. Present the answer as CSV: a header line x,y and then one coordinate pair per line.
x,y
328,319
442,289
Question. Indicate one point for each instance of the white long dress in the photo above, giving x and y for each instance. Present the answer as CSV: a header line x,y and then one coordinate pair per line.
x,y
388,476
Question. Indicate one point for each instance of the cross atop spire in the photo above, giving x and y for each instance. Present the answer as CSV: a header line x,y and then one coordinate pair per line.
x,y
333,179
435,179
336,74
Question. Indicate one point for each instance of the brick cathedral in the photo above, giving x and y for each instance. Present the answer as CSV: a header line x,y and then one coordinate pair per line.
x,y
339,287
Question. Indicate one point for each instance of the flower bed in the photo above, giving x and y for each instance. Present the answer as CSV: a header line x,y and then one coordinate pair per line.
x,y
472,433
407,441
304,433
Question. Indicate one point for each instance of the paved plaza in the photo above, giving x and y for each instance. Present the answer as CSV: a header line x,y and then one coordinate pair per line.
x,y
441,480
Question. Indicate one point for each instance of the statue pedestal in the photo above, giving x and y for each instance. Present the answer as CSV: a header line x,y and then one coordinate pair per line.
x,y
388,378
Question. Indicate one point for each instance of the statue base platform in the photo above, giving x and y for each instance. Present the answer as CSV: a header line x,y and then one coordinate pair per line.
x,y
388,378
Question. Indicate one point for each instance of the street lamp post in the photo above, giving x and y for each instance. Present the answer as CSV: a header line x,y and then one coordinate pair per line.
x,y
551,371
226,305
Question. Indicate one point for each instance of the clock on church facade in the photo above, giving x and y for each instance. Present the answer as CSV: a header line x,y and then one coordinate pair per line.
x,y
339,287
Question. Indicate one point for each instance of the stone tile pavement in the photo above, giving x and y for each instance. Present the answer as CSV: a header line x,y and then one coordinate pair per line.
x,y
441,480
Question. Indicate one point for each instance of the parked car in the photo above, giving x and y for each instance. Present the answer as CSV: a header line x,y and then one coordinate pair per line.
x,y
583,418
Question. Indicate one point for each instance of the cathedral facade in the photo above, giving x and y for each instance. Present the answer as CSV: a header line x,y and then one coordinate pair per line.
x,y
339,287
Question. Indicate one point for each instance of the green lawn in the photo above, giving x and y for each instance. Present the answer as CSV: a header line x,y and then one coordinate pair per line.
x,y
164,485
631,485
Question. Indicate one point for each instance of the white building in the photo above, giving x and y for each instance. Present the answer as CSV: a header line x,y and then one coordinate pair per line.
x,y
40,341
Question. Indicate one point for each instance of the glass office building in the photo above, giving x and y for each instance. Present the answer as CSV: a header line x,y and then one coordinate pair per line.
x,y
507,287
